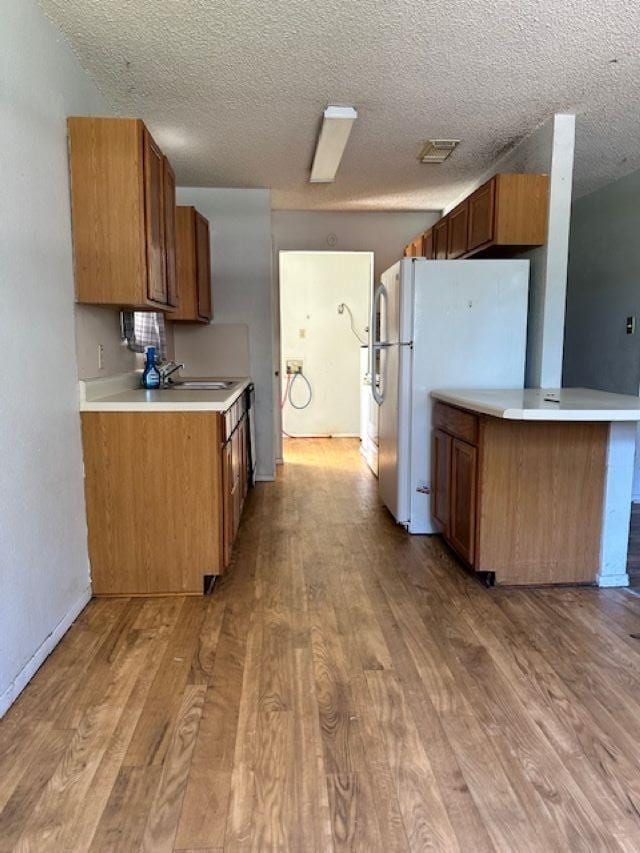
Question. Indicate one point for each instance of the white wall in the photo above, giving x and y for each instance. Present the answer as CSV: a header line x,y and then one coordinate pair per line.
x,y
312,284
240,222
548,150
44,565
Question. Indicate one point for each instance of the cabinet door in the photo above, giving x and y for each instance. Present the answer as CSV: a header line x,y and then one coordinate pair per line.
x,y
227,502
203,267
154,220
481,215
427,244
237,486
417,247
440,239
408,249
169,184
440,479
458,223
462,520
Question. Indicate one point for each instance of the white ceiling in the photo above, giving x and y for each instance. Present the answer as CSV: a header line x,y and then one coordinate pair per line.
x,y
234,91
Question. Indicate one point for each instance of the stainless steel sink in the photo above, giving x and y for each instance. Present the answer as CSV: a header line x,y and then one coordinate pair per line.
x,y
201,385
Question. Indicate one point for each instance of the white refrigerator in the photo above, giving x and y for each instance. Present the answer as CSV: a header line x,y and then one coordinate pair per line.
x,y
438,324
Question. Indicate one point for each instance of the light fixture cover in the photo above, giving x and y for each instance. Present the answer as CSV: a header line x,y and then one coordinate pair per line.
x,y
437,150
336,127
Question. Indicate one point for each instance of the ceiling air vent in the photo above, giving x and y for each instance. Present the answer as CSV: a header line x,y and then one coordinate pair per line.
x,y
437,150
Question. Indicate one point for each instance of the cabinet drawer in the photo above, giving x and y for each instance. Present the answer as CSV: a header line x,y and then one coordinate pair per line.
x,y
456,422
232,417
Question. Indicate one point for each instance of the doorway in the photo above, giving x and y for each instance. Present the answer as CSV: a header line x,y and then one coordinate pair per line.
x,y
324,314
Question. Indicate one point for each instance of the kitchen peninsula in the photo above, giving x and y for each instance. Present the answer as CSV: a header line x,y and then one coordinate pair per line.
x,y
534,486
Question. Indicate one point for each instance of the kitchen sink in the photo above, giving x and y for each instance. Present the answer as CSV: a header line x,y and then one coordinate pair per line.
x,y
201,385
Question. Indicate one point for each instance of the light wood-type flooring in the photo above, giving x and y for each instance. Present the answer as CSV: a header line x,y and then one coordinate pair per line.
x,y
346,687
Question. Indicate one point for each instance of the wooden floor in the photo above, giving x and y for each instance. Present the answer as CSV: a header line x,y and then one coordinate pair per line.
x,y
346,687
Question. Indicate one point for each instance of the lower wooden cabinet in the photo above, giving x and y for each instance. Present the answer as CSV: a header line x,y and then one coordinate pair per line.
x,y
462,495
164,496
522,500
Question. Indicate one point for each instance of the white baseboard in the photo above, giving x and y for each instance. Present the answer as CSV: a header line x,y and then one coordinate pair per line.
x,y
611,581
323,435
264,478
44,650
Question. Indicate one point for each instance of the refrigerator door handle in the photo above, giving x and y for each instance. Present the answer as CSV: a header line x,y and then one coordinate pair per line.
x,y
376,345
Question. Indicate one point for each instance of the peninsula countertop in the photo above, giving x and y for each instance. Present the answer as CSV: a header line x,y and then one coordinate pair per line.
x,y
123,393
544,404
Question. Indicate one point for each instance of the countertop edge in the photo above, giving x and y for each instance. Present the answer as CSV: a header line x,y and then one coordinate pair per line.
x,y
513,414
106,405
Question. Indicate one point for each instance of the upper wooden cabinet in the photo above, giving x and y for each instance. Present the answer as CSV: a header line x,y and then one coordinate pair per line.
x,y
122,194
193,257
505,215
457,237
481,210
427,244
170,235
440,239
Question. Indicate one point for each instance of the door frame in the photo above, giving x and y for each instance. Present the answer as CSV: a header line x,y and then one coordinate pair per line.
x,y
277,336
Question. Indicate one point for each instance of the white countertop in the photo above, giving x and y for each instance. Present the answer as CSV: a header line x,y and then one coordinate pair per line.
x,y
123,393
532,404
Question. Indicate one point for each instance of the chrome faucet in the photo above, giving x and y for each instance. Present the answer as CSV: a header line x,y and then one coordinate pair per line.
x,y
167,370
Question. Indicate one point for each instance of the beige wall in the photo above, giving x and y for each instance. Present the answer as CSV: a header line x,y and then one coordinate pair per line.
x,y
221,349
96,325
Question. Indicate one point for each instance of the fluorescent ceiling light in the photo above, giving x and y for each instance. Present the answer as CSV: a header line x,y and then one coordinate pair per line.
x,y
336,127
437,150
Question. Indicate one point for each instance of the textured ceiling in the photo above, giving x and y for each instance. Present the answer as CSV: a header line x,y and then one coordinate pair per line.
x,y
234,91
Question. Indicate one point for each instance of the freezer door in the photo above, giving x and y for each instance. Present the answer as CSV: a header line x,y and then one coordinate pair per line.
x,y
395,384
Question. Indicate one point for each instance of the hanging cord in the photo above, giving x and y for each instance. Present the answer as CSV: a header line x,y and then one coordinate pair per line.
x,y
341,308
290,389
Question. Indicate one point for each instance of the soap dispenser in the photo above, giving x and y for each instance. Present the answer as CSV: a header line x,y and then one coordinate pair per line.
x,y
151,374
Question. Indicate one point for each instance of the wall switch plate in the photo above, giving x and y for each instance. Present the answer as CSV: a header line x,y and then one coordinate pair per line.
x,y
293,365
100,357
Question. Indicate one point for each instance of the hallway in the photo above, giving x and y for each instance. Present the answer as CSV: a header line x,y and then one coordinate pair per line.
x,y
346,687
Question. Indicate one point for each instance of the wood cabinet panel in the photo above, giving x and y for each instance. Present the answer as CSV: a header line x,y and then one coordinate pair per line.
x,y
541,500
440,479
441,239
203,256
194,266
427,244
106,162
462,519
522,202
154,500
457,422
169,209
458,223
154,219
481,216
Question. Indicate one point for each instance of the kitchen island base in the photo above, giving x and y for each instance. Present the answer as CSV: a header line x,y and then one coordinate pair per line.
x,y
523,500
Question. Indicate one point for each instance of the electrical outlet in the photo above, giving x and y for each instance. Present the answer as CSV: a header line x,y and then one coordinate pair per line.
x,y
293,365
100,357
